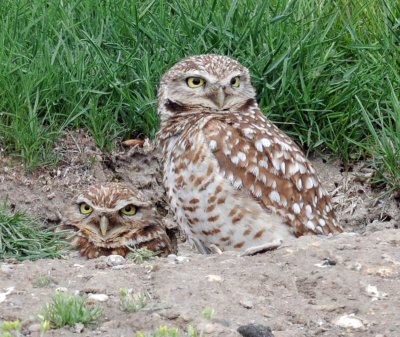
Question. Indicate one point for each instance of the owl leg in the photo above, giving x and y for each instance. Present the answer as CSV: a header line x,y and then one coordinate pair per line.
x,y
262,248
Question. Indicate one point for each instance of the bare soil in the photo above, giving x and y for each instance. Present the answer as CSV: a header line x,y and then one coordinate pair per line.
x,y
344,285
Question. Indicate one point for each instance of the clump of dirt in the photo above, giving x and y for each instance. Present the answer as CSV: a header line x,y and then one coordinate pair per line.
x,y
344,285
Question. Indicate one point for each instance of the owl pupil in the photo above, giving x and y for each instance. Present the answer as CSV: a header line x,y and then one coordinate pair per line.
x,y
233,81
196,81
128,208
87,208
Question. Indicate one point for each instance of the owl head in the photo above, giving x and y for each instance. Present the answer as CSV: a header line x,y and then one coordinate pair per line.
x,y
109,218
211,82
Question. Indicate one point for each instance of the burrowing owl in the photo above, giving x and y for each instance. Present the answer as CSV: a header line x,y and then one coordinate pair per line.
x,y
112,218
233,179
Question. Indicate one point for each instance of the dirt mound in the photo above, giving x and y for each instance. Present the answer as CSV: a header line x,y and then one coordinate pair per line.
x,y
345,285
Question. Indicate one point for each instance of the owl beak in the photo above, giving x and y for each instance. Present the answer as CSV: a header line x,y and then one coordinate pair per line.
x,y
218,97
104,225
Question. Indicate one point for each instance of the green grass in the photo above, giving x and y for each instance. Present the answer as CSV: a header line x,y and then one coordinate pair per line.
x,y
132,302
10,328
385,145
25,238
68,310
42,280
140,255
319,67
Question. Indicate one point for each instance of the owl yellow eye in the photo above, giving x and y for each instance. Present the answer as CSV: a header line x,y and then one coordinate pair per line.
x,y
235,82
129,210
84,208
195,82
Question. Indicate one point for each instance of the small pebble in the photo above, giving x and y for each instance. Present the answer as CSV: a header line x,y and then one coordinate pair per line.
x,y
210,328
181,259
6,268
327,262
177,259
79,327
186,317
98,297
214,278
62,289
51,196
115,260
349,322
120,267
373,292
170,314
246,304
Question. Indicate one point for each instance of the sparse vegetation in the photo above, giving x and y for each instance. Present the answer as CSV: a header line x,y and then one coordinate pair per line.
x,y
319,67
25,238
41,280
68,309
131,301
165,331
140,255
10,328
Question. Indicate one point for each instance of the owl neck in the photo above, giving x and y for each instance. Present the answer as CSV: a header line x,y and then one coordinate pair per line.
x,y
180,118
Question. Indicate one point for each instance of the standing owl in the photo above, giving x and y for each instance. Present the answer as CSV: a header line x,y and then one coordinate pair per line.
x,y
233,179
112,218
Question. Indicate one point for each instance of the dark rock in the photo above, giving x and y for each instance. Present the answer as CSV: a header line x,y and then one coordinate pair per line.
x,y
255,330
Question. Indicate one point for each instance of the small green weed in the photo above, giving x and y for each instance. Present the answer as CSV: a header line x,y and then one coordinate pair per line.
x,y
140,255
165,331
41,281
10,328
44,326
25,238
132,302
67,309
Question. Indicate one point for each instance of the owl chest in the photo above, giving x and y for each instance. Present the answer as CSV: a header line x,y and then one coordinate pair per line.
x,y
188,173
191,179
209,208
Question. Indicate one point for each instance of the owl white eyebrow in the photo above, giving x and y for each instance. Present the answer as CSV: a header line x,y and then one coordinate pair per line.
x,y
234,74
120,204
82,199
206,76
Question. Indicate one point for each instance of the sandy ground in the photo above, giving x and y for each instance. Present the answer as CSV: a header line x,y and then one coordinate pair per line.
x,y
346,285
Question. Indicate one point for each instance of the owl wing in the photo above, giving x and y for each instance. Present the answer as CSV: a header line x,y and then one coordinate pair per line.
x,y
262,161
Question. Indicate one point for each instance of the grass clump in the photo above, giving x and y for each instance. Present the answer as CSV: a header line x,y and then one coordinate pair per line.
x,y
384,143
25,238
67,309
42,281
132,302
140,255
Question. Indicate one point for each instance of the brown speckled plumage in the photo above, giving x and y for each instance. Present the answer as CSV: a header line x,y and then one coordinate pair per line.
x,y
233,179
142,229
